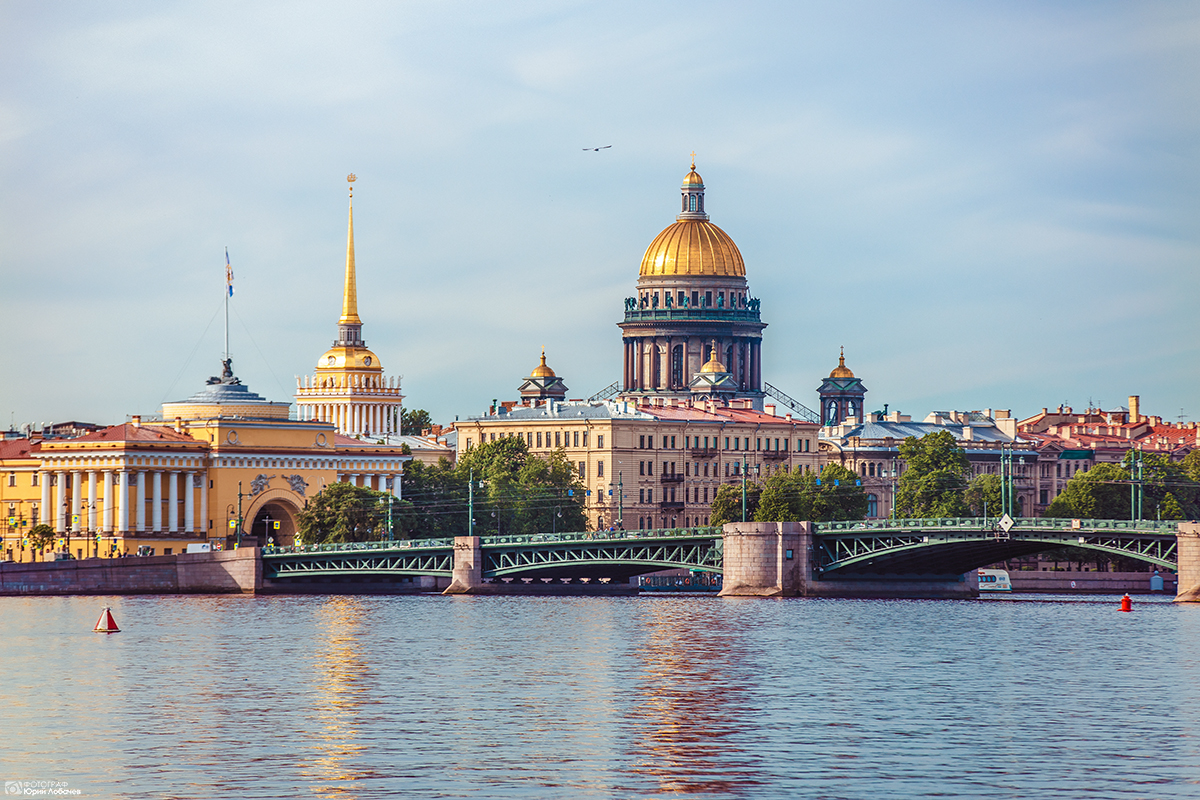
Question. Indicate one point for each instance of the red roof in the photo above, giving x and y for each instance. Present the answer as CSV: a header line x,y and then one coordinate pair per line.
x,y
128,432
18,448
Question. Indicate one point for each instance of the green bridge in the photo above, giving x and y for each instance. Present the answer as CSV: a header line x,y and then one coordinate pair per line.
x,y
841,550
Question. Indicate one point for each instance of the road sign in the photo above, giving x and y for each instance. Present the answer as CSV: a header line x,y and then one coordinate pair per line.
x,y
232,524
1006,523
275,524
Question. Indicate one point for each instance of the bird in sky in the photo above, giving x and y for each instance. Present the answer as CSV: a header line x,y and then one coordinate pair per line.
x,y
598,149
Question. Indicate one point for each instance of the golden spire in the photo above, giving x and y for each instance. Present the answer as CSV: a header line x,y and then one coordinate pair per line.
x,y
693,160
542,370
841,370
350,294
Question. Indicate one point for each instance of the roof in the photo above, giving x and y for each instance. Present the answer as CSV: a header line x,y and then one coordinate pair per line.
x,y
18,448
128,432
902,430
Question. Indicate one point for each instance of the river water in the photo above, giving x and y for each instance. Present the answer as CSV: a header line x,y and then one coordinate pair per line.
x,y
492,697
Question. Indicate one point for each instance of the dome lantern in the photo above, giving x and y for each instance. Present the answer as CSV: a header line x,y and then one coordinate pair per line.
x,y
693,195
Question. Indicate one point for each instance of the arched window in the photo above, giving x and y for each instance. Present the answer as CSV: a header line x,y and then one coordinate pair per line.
x,y
691,202
832,415
677,378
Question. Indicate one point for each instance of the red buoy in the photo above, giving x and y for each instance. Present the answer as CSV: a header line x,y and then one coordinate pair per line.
x,y
106,623
1126,603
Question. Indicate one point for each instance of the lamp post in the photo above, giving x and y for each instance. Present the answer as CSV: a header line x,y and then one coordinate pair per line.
x,y
69,522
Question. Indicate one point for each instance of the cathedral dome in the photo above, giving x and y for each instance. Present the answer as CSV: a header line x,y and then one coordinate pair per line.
x,y
693,247
542,370
713,365
693,179
841,370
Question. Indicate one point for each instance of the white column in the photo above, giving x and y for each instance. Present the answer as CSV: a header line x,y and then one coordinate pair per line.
x,y
76,501
109,498
123,507
189,502
44,516
156,510
173,501
204,502
91,509
60,502
141,501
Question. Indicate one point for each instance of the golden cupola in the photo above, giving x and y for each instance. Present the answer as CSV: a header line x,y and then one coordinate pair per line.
x,y
542,370
841,370
693,246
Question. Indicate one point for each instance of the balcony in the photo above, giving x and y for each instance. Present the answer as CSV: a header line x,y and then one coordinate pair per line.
x,y
671,477
773,455
703,452
692,315
671,505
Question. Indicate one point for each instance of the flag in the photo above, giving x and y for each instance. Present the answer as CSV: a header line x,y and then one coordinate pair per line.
x,y
228,273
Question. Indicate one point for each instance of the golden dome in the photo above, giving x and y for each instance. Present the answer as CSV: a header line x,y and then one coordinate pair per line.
x,y
541,370
356,358
713,366
841,370
693,179
693,247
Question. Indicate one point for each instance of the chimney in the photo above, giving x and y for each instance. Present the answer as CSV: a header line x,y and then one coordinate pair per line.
x,y
1134,412
770,409
179,424
137,420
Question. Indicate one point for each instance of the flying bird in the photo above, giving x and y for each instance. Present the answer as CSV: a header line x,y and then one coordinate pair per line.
x,y
598,149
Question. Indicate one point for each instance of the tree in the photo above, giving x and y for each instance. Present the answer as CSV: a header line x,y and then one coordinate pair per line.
x,y
342,512
727,505
41,537
1101,492
839,496
1170,508
984,493
934,479
412,423
1191,465
782,499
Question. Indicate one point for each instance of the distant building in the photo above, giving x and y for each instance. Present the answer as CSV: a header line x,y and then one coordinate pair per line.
x,y
1069,442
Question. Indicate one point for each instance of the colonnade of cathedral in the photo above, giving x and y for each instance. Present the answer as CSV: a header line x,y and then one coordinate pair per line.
x,y
670,362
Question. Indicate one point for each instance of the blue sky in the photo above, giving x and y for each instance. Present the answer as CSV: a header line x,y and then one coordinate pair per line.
x,y
989,205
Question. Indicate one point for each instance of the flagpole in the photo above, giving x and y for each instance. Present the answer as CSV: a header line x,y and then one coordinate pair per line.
x,y
227,287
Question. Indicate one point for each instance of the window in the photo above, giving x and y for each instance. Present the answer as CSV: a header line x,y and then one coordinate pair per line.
x,y
585,433
726,442
649,467
641,495
726,469
664,442
708,299
664,469
575,438
33,515
641,468
672,467
695,298
599,441
706,470
649,495
539,439
33,479
468,444
641,442
12,479
872,506
672,442
600,467
583,469
706,494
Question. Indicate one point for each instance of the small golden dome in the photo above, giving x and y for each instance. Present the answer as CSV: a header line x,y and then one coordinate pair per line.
x,y
693,247
541,370
841,370
356,358
693,179
713,365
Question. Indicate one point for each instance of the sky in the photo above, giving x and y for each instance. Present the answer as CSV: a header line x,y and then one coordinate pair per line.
x,y
988,205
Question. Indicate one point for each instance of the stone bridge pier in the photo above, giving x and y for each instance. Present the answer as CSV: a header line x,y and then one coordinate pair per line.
x,y
775,559
1187,550
467,577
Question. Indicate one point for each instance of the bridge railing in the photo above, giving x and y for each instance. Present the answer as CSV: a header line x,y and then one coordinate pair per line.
x,y
348,547
988,523
494,541
603,536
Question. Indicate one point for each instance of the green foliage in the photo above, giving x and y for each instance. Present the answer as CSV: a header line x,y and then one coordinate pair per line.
x,y
727,505
782,500
413,422
41,536
803,496
934,478
342,512
984,493
1170,508
1103,492
1191,465
515,492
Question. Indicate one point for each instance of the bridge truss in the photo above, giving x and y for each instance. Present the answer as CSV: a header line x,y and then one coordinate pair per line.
x,y
954,546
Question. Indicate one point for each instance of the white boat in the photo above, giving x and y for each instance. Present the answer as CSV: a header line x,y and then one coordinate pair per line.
x,y
994,580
